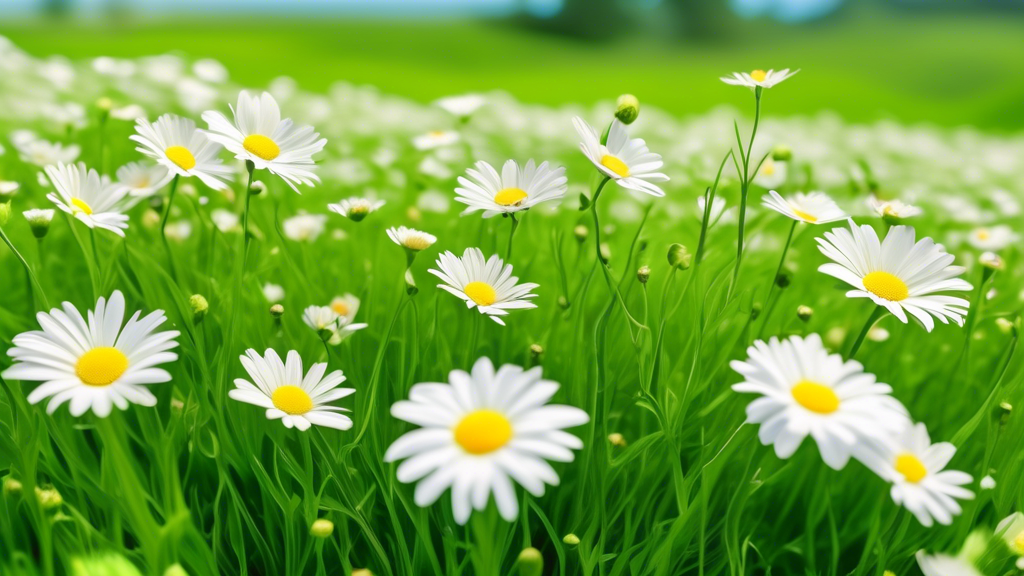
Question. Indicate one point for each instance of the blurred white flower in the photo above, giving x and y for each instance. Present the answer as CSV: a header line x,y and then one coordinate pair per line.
x,y
462,106
434,139
892,208
225,220
273,293
995,238
210,70
304,227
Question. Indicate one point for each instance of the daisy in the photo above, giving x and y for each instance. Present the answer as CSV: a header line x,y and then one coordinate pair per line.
x,y
93,361
435,139
625,160
177,144
225,220
321,319
462,106
716,212
916,469
515,189
758,78
898,274
273,293
260,136
487,285
1011,530
945,565
994,238
892,209
807,391
87,196
355,208
345,307
481,431
813,208
410,239
304,227
298,401
141,180
772,174
43,153
8,188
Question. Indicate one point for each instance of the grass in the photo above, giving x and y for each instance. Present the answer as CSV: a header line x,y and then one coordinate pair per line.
x,y
210,484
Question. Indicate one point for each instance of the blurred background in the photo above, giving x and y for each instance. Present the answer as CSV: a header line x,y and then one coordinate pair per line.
x,y
915,61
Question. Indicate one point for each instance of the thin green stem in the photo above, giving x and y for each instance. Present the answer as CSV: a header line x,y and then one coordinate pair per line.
x,y
89,263
768,304
163,224
511,234
245,217
744,188
28,269
876,314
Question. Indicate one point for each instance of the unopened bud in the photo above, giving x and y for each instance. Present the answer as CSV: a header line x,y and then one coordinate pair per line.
x,y
755,310
563,303
150,219
616,439
49,498
175,570
8,188
782,153
679,257
5,212
104,104
321,528
782,280
258,187
39,221
530,562
199,307
414,214
410,283
643,274
1004,410
581,233
277,310
804,313
12,486
571,540
627,108
606,252
992,261
536,350
987,483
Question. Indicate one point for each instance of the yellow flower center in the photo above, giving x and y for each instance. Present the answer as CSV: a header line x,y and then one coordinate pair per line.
x,y
481,292
758,75
437,133
983,234
510,196
768,169
260,145
81,205
340,307
885,285
1018,543
292,400
101,366
808,217
181,156
911,468
483,431
615,165
815,397
416,243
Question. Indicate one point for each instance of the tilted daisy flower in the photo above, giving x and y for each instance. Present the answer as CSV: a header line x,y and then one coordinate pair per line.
x,y
410,239
177,144
807,391
320,318
916,469
87,196
142,180
897,274
93,361
625,160
892,209
758,78
813,208
515,189
260,136
992,238
487,285
346,308
298,401
945,565
772,174
355,208
481,431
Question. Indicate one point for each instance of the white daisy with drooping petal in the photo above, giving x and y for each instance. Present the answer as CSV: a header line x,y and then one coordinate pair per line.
x,y
992,238
812,208
893,209
806,391
945,565
87,196
178,145
480,432
625,160
411,239
902,276
515,189
142,180
94,362
260,136
916,469
298,401
355,208
487,285
758,78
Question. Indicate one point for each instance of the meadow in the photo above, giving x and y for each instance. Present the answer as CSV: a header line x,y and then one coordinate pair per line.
x,y
655,277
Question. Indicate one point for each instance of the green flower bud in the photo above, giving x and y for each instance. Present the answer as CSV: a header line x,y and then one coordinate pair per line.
x,y
410,283
571,540
104,104
1003,412
5,212
606,252
616,439
679,257
530,562
277,310
782,280
12,486
643,274
782,153
581,233
362,572
39,221
755,310
627,108
804,313
992,261
563,303
258,187
536,350
322,528
49,498
199,307
175,570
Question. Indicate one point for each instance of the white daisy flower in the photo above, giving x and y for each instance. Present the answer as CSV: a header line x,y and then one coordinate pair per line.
x,y
273,293
758,78
898,274
93,361
179,231
994,238
131,112
304,227
916,469
772,174
487,285
481,431
625,160
515,189
225,220
894,209
297,401
142,180
356,208
807,391
1011,530
43,153
411,239
945,565
320,318
8,188
462,106
260,136
813,208
177,144
87,196
435,139
346,308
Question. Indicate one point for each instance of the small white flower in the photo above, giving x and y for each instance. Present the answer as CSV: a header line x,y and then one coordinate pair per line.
x,y
944,565
995,238
346,308
131,112
225,220
435,139
1011,530
813,208
431,166
515,189
304,227
462,106
43,153
625,160
433,201
758,78
210,70
141,180
987,483
411,239
772,174
892,208
356,208
8,189
179,231
92,199
274,293
487,285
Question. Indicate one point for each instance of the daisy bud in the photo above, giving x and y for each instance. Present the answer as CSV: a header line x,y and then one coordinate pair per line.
x,y
987,483
39,221
835,336
277,310
1004,411
643,274
606,252
414,214
878,334
1020,563
322,528
362,572
888,573
755,310
627,108
782,153
804,313
177,406
563,303
581,233
258,187
103,564
104,104
571,540
536,350
1004,325
199,307
5,212
782,280
12,486
530,562
992,261
7,188
616,439
49,498
175,570
679,256
410,283
975,545
150,219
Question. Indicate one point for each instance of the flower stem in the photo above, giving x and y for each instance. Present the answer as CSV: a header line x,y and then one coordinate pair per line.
x,y
163,225
28,269
511,234
876,314
768,304
745,186
249,166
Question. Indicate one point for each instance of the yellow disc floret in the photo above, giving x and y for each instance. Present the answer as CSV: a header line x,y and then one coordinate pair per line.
x,y
481,292
510,196
483,431
101,366
886,285
911,467
815,397
615,165
758,75
81,205
807,217
261,146
181,156
292,400
340,307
